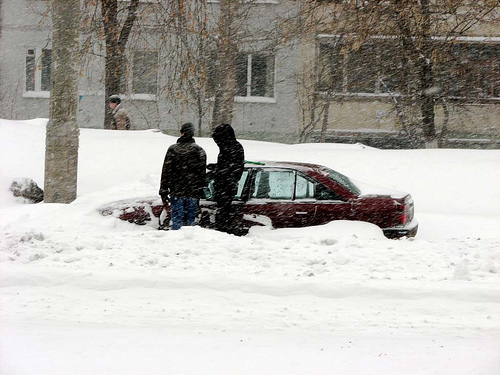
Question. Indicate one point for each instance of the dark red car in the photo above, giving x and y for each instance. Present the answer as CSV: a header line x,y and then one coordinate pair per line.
x,y
288,195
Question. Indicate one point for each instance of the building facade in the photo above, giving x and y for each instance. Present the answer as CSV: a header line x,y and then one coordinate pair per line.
x,y
308,88
265,94
366,82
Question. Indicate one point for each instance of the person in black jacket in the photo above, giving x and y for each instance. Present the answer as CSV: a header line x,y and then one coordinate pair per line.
x,y
183,178
227,173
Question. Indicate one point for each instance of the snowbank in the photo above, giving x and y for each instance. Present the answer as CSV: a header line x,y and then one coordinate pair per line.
x,y
81,293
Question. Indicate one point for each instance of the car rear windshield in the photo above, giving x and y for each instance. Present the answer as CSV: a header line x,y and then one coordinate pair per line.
x,y
342,180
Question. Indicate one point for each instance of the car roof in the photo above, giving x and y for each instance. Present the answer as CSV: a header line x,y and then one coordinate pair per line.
x,y
282,164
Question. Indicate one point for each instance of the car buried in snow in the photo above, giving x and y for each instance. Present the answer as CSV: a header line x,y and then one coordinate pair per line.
x,y
289,195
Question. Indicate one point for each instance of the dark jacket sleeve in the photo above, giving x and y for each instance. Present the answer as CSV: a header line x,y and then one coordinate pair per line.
x,y
166,173
233,164
239,158
202,170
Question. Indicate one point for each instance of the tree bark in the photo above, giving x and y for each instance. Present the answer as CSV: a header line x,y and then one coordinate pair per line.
x,y
418,47
61,152
225,71
427,100
426,77
324,126
116,41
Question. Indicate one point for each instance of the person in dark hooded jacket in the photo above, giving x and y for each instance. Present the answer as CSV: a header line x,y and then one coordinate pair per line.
x,y
183,178
227,173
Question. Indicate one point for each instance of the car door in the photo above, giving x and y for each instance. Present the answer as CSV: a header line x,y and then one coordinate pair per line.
x,y
272,195
330,206
208,206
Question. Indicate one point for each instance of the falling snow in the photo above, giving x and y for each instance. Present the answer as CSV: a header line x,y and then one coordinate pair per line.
x,y
82,293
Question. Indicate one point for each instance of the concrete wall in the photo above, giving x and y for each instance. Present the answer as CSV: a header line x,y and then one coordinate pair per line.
x,y
377,113
270,119
273,119
478,119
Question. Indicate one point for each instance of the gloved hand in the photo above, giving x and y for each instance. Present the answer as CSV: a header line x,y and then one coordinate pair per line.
x,y
165,199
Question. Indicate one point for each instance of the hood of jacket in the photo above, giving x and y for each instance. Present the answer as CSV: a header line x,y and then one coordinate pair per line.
x,y
224,135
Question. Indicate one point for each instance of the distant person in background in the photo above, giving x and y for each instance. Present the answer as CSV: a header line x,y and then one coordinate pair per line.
x,y
183,178
227,173
120,121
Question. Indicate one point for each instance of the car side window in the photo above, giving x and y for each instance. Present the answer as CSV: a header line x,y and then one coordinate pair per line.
x,y
241,185
325,194
274,184
261,186
304,188
209,190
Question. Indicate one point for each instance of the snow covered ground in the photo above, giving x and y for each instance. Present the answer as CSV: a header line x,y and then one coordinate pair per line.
x,y
86,294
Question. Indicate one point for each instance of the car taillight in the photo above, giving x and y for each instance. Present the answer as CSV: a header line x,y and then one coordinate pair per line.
x,y
403,217
408,210
406,213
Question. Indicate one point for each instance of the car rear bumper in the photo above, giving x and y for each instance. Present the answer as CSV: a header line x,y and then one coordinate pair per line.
x,y
410,230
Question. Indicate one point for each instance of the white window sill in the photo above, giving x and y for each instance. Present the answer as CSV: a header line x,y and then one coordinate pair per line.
x,y
141,1
254,99
144,97
384,95
37,94
254,1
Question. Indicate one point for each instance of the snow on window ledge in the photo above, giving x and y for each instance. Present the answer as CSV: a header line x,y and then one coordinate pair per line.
x,y
37,94
141,1
384,95
254,99
144,97
251,1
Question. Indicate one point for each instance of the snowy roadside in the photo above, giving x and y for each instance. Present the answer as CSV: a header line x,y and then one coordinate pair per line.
x,y
311,278
81,293
61,349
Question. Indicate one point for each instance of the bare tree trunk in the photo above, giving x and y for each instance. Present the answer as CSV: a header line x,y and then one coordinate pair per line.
x,y
1,18
446,119
116,41
113,60
427,101
225,71
418,48
61,153
426,77
324,126
199,106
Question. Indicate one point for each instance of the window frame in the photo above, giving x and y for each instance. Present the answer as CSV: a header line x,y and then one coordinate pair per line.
x,y
344,82
252,188
248,1
336,82
296,175
131,75
308,180
243,186
250,79
477,67
40,68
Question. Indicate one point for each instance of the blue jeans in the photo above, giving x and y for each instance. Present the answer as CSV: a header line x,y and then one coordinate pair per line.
x,y
183,211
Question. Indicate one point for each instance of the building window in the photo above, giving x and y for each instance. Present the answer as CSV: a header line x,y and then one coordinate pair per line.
x,y
38,69
46,69
372,69
464,70
30,69
255,75
472,71
144,72
329,1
